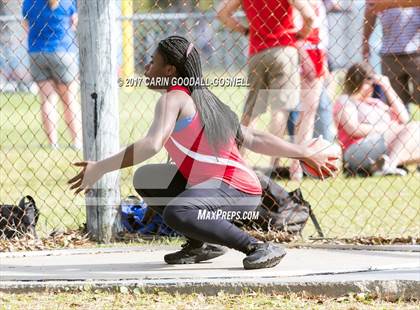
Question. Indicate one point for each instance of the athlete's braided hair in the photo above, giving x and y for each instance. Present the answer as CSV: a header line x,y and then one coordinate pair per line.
x,y
219,121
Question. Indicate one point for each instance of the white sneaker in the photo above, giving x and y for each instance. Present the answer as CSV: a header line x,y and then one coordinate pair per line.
x,y
384,168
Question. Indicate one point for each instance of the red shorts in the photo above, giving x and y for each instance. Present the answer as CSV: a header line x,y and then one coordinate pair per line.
x,y
318,58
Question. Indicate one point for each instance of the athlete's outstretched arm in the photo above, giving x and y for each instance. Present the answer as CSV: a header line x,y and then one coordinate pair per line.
x,y
267,144
166,113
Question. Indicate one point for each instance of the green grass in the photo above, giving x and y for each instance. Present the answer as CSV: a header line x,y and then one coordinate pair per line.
x,y
345,207
126,299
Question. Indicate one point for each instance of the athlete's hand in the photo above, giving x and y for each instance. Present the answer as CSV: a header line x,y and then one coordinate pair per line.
x,y
322,157
90,174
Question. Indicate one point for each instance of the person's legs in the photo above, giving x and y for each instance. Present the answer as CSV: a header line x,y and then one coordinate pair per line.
x,y
205,211
255,104
183,214
405,147
283,88
324,118
310,94
278,123
277,127
72,113
370,156
291,123
48,110
42,75
362,155
64,69
158,184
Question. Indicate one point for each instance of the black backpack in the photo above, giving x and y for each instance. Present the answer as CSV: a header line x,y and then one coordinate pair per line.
x,y
16,221
281,210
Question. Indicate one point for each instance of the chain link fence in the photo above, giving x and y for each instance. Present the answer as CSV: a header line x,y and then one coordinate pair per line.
x,y
41,127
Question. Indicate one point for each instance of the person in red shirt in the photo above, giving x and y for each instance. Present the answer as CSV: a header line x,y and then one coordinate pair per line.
x,y
209,176
273,66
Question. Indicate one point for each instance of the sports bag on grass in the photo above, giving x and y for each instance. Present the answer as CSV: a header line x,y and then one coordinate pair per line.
x,y
18,220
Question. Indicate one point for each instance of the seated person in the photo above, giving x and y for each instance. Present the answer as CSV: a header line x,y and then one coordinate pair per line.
x,y
375,137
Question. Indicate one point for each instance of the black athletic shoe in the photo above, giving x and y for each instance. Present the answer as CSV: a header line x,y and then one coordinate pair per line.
x,y
264,255
190,253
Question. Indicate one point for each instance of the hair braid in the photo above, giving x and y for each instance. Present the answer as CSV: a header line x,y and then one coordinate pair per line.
x,y
219,121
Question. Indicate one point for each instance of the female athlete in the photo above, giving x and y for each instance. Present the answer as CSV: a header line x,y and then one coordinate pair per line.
x,y
201,135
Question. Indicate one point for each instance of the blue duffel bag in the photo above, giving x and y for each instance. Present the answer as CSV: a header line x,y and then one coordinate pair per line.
x,y
133,211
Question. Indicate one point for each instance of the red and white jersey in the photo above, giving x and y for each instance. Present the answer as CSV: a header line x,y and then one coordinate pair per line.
x,y
198,162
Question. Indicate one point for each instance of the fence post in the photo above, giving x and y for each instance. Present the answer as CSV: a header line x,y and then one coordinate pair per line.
x,y
100,115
